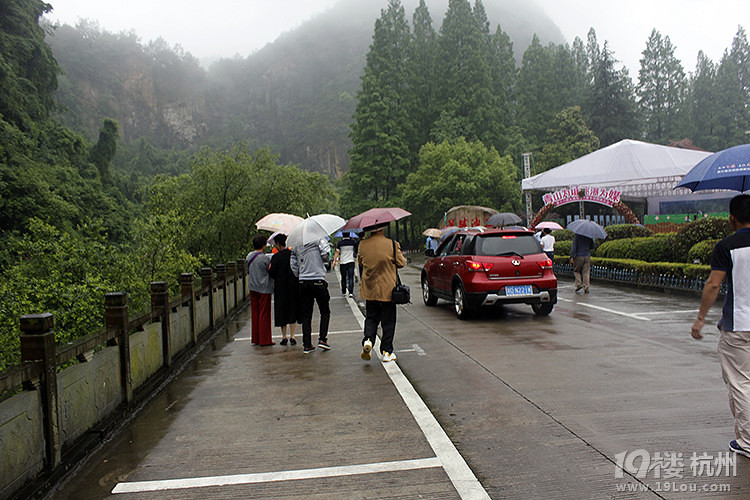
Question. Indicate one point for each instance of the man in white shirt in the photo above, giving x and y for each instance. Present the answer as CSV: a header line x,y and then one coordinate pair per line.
x,y
548,243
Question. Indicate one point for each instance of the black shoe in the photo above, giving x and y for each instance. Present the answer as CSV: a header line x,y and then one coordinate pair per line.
x,y
324,345
283,342
292,341
308,350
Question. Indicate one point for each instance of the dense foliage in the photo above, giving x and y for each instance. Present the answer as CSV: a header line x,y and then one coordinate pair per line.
x,y
707,228
618,231
648,249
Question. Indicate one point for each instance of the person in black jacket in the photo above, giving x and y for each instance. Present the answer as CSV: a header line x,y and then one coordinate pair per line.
x,y
285,290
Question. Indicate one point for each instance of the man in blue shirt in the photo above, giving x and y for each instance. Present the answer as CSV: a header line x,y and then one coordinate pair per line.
x,y
731,260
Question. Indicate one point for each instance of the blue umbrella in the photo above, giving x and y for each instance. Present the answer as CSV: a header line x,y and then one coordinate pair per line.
x,y
727,169
340,234
589,228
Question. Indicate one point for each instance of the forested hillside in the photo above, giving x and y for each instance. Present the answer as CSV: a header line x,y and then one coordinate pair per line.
x,y
296,95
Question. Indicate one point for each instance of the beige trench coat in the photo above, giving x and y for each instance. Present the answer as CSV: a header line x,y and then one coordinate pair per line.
x,y
375,255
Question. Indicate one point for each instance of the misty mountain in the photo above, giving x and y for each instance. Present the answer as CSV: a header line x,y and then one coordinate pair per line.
x,y
297,94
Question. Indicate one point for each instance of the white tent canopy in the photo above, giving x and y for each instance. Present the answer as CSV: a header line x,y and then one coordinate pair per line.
x,y
633,167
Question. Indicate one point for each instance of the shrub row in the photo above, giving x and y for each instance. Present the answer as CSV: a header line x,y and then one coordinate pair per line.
x,y
677,269
694,242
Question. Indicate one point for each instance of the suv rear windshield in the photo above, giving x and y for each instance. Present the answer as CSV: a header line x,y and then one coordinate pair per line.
x,y
498,244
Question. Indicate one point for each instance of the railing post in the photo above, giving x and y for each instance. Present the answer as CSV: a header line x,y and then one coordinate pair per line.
x,y
232,274
38,345
187,285
116,321
160,303
242,270
207,280
221,275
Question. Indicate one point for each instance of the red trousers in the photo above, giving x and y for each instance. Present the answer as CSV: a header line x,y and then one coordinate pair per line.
x,y
260,311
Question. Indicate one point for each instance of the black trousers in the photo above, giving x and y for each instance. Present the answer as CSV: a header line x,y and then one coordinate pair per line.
x,y
384,314
311,291
347,277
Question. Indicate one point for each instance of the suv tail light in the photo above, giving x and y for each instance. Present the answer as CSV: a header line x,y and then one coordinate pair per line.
x,y
473,265
545,264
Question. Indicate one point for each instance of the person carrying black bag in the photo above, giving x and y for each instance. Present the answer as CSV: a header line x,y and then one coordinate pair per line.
x,y
379,258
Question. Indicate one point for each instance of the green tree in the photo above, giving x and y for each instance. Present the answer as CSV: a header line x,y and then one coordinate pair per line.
x,y
381,128
66,273
661,89
105,149
569,138
422,60
226,192
468,107
733,93
701,104
28,70
547,83
610,103
463,173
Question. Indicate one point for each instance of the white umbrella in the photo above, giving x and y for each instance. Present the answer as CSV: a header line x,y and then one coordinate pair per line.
x,y
314,229
282,223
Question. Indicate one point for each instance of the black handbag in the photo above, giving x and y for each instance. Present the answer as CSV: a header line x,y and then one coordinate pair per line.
x,y
401,293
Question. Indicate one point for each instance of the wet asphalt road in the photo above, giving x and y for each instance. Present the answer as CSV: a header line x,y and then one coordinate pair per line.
x,y
539,407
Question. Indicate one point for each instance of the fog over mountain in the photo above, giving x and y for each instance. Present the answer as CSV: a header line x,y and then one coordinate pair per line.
x,y
296,94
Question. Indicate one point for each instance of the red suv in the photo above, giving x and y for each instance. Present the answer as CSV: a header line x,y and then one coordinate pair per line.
x,y
475,268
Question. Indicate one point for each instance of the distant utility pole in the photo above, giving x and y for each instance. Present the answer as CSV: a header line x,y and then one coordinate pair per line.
x,y
526,175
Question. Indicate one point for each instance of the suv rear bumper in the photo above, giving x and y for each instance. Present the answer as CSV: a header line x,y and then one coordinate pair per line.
x,y
541,296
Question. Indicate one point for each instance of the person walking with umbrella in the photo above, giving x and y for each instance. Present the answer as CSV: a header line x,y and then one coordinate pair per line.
x,y
285,290
731,260
379,258
261,288
580,252
310,254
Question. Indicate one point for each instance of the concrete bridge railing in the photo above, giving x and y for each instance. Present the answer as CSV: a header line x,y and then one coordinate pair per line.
x,y
63,399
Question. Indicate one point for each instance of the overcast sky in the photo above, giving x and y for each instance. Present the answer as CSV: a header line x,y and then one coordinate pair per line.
x,y
208,29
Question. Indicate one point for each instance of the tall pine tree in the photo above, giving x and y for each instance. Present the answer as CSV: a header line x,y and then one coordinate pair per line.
x,y
661,90
381,129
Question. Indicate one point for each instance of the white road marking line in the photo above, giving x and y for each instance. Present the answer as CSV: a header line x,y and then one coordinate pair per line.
x,y
265,477
414,348
599,308
671,312
466,483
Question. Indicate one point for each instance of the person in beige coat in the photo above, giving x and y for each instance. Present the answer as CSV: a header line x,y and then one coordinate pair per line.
x,y
378,277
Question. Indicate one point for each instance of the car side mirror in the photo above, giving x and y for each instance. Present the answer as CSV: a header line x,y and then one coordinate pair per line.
x,y
429,252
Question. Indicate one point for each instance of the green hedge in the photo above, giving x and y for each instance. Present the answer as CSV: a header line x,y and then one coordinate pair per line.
x,y
654,249
707,228
677,269
562,247
563,235
620,231
702,251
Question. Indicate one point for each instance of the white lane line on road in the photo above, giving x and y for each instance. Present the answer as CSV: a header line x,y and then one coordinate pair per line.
x,y
466,483
600,308
670,312
414,348
266,477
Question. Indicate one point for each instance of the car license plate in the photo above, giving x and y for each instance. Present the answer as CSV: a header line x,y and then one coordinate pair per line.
x,y
518,290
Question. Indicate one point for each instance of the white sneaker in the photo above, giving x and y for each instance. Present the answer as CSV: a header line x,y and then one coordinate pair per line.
x,y
366,348
388,356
